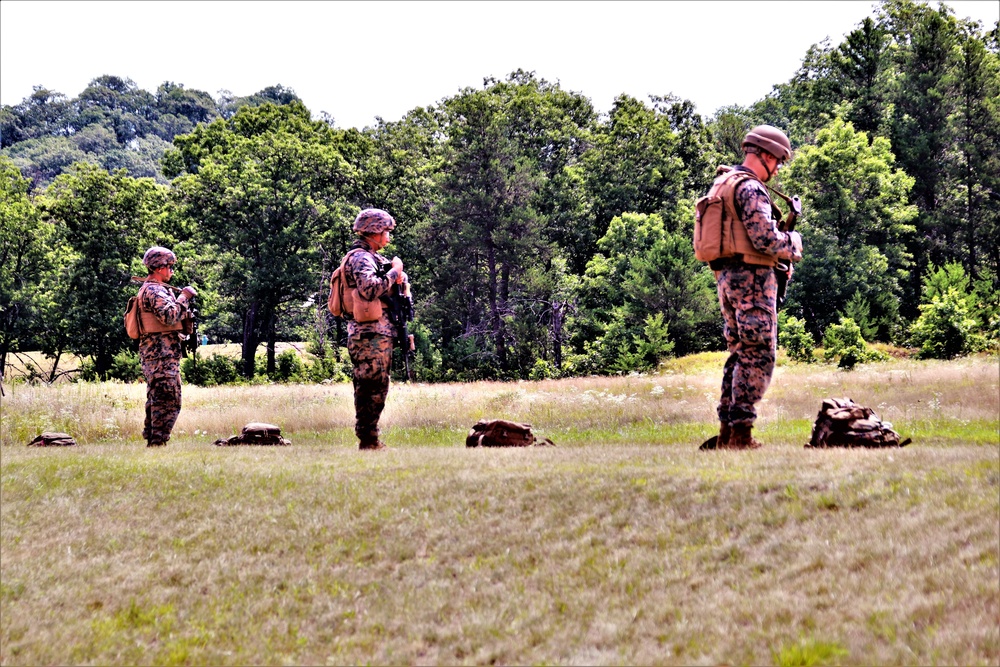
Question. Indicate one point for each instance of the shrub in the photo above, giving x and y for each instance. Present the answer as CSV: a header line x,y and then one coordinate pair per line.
x,y
946,328
543,370
125,366
288,367
217,369
845,340
792,336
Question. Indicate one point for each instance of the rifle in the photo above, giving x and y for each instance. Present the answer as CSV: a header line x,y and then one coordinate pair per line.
x,y
189,341
401,314
783,270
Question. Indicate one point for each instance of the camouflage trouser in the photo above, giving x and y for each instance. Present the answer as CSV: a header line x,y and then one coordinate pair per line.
x,y
371,354
163,404
747,298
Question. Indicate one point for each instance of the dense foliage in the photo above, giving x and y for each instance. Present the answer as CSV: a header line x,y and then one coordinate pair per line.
x,y
542,238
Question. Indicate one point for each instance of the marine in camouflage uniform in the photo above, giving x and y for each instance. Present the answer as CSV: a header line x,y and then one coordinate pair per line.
x,y
748,292
370,343
160,351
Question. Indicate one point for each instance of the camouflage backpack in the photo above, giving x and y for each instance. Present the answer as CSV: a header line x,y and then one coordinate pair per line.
x,y
53,439
255,433
843,423
503,433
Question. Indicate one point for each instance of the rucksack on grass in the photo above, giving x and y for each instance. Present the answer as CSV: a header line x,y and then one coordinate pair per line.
x,y
843,423
255,433
53,439
503,433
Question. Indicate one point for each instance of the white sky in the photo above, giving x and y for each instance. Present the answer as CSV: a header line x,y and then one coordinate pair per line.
x,y
359,60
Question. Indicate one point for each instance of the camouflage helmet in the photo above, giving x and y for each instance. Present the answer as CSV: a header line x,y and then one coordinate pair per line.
x,y
770,139
373,221
158,256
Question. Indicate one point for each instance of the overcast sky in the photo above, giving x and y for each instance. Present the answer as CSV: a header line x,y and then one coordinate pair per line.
x,y
359,60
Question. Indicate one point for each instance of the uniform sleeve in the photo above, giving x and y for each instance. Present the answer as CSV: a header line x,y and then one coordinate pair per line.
x,y
754,208
161,303
365,271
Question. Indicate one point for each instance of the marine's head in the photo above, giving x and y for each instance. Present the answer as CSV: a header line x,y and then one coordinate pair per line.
x,y
373,221
766,140
158,257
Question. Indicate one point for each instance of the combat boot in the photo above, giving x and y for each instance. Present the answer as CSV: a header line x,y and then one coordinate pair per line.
x,y
720,441
372,445
155,443
742,438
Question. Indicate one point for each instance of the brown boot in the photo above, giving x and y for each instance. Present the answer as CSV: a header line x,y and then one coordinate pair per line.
x,y
742,438
720,441
377,444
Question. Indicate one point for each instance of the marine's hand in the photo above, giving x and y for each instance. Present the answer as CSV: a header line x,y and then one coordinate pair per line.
x,y
188,293
397,264
796,240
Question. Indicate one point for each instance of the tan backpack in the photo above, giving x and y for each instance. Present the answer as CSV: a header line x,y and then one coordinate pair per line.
x,y
343,300
133,320
714,214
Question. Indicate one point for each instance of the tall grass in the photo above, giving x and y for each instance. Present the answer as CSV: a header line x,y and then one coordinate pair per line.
x,y
621,545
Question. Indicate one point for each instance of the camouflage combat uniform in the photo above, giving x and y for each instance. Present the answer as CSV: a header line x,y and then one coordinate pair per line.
x,y
369,343
747,297
160,354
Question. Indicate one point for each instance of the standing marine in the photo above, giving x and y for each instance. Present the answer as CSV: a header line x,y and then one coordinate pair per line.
x,y
370,333
162,318
747,287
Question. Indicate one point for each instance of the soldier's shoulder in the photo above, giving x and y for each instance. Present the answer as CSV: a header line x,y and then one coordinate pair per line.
x,y
751,185
157,289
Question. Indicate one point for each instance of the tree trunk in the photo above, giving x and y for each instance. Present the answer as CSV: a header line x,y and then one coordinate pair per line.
x,y
271,328
558,316
251,339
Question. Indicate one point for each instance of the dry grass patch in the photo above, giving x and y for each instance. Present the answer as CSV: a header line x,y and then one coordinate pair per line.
x,y
621,545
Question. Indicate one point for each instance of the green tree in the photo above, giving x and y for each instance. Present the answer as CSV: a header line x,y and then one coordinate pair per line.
x,y
106,220
974,169
260,188
861,66
644,271
26,264
855,226
503,145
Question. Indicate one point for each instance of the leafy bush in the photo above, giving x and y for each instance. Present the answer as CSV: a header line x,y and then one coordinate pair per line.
x,y
125,366
543,370
335,366
792,336
845,340
217,369
956,318
288,367
946,328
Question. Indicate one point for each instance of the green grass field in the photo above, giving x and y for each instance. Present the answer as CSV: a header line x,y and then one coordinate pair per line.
x,y
622,544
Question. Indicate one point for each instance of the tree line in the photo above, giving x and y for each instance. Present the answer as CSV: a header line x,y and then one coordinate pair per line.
x,y
542,238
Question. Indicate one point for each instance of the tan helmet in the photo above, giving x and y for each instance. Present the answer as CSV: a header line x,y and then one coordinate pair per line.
x,y
770,139
373,221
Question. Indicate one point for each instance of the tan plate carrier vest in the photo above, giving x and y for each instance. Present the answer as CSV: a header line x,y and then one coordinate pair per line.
x,y
716,236
149,323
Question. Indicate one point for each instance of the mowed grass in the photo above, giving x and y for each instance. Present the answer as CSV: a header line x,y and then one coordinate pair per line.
x,y
622,544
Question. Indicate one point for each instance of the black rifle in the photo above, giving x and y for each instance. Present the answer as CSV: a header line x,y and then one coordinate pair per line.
x,y
400,315
783,270
189,342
